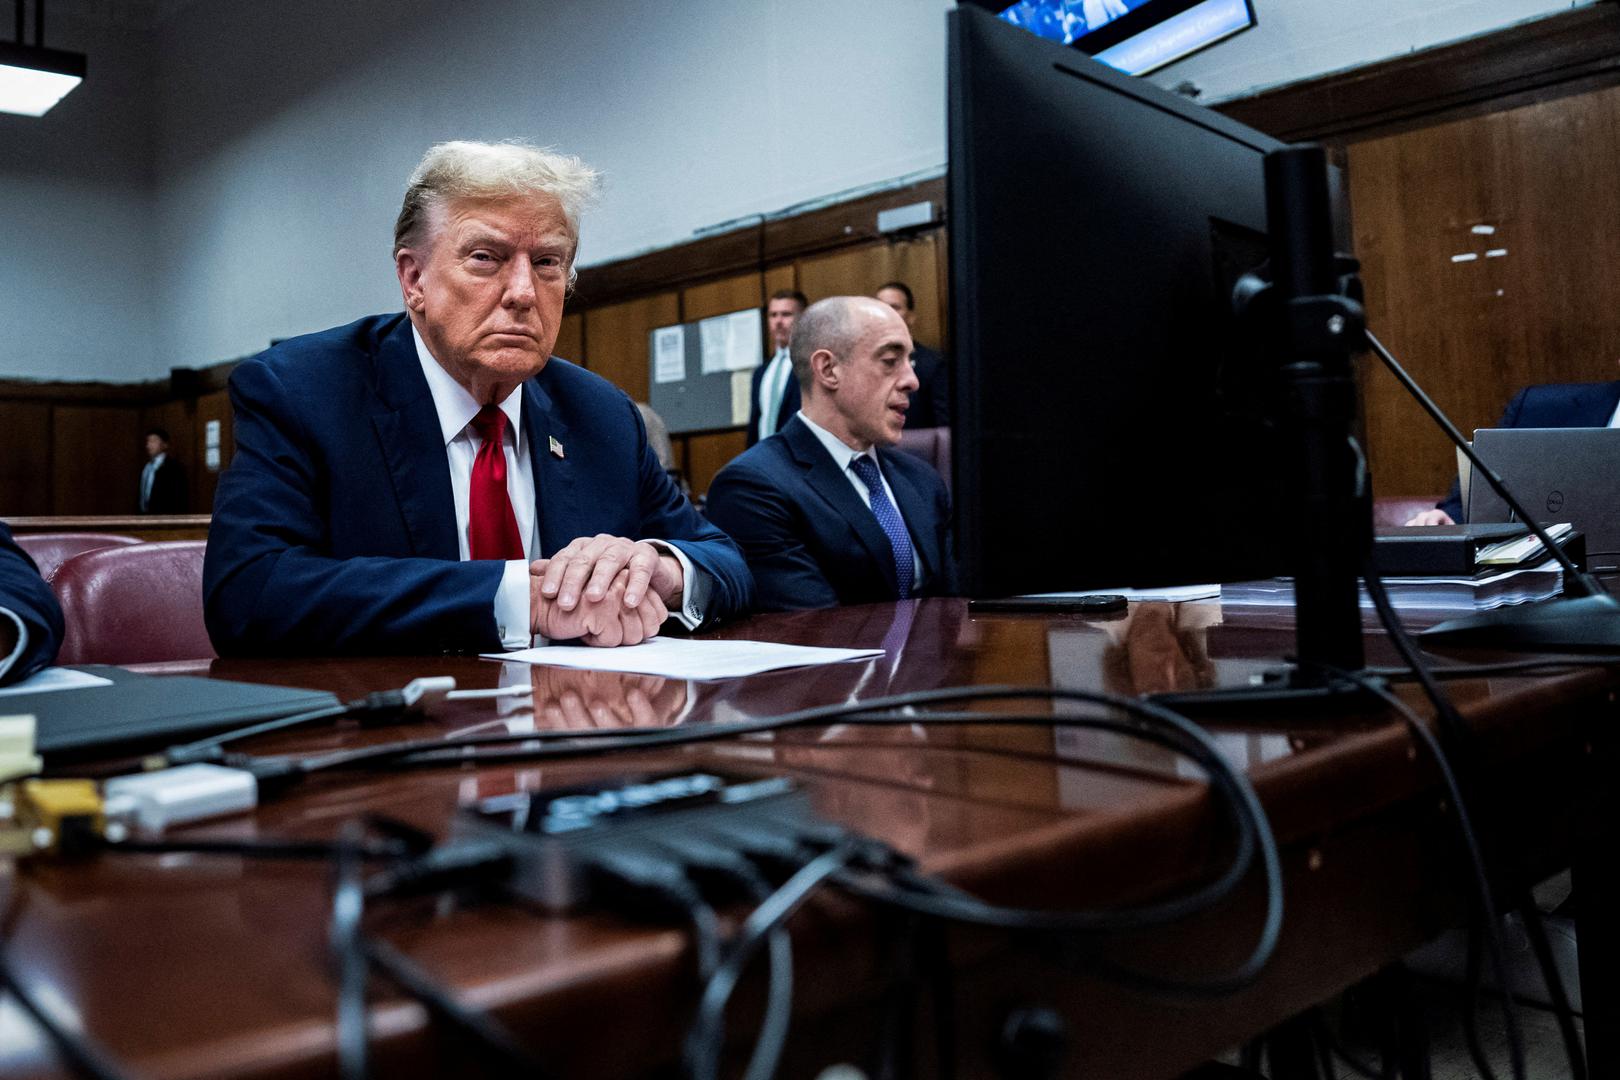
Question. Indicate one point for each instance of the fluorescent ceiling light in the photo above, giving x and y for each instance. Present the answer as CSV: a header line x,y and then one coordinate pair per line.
x,y
32,79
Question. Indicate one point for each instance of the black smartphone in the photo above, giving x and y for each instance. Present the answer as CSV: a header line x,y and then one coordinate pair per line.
x,y
1091,604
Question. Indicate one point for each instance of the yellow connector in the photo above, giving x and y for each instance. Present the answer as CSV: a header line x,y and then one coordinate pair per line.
x,y
56,816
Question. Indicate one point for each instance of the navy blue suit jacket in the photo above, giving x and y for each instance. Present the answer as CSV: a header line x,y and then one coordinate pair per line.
x,y
790,402
24,593
1554,405
810,540
334,529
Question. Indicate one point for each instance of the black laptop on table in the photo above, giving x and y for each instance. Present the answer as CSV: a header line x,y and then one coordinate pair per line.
x,y
1559,474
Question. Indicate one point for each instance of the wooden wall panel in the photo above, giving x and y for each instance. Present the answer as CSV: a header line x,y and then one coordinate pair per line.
x,y
25,458
783,276
215,406
571,339
96,459
708,454
859,271
1474,314
727,294
618,338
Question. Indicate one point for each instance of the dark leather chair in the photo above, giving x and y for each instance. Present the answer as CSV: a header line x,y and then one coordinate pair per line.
x,y
933,445
50,550
135,604
1398,509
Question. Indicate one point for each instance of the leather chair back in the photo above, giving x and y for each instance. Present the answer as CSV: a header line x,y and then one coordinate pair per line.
x,y
933,445
50,550
136,604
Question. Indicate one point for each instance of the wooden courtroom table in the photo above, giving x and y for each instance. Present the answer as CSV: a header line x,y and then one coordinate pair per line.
x,y
205,966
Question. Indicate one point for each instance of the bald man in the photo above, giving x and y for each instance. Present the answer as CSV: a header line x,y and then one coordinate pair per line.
x,y
827,513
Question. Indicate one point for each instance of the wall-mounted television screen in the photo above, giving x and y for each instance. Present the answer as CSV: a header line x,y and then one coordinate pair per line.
x,y
1133,36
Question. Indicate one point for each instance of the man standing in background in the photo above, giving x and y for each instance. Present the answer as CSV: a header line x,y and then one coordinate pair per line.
x,y
931,401
775,394
163,481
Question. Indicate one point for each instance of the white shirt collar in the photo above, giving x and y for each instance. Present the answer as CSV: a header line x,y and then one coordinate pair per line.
x,y
156,459
841,451
455,406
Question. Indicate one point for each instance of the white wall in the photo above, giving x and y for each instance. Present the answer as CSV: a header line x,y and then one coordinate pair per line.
x,y
233,175
76,260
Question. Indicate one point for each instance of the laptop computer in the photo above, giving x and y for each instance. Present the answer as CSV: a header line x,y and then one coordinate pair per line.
x,y
133,711
1559,474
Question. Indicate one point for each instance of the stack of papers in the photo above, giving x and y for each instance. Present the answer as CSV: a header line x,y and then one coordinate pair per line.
x,y
1529,546
1451,594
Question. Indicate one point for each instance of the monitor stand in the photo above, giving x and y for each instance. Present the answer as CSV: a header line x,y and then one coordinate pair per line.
x,y
1306,319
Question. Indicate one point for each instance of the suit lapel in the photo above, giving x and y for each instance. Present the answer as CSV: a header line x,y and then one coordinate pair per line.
x,y
556,502
828,480
918,512
1601,404
407,427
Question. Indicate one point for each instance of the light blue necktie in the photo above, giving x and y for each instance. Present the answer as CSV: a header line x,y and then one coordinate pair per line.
x,y
889,518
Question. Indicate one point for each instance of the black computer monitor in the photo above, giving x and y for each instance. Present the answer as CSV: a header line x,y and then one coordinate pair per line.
x,y
1113,425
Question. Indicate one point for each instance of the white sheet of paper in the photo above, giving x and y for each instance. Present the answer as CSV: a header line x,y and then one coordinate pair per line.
x,y
1172,593
55,678
742,396
731,342
669,354
683,658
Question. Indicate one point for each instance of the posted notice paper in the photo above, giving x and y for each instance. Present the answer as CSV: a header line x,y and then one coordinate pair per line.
x,y
683,658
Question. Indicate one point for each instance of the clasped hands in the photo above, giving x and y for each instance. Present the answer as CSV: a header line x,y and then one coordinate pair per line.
x,y
604,590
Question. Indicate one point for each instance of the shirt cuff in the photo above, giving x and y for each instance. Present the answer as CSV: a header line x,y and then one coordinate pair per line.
x,y
22,642
697,584
512,615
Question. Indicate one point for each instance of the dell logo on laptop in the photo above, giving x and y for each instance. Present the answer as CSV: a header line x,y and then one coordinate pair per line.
x,y
1555,502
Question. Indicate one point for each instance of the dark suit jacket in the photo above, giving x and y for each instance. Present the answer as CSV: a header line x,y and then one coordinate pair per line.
x,y
168,489
24,593
334,529
790,402
931,401
810,540
1554,405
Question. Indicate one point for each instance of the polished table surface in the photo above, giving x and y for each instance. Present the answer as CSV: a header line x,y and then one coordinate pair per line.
x,y
210,966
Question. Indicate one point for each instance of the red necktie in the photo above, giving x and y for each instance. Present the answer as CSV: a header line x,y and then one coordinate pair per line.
x,y
492,530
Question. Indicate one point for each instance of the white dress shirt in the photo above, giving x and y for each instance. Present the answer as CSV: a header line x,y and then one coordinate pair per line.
x,y
148,475
772,385
457,408
845,456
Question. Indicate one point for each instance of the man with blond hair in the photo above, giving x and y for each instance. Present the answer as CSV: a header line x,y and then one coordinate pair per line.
x,y
436,481
826,511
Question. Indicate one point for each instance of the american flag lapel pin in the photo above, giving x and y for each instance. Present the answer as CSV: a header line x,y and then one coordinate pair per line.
x,y
556,447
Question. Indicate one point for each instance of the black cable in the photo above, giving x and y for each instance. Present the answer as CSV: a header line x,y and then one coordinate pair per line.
x,y
82,1055
1456,732
456,751
261,849
344,937
717,862
707,1036
209,749
1507,667
1535,928
405,974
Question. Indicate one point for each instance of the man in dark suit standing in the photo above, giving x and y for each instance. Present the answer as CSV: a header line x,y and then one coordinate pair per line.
x,y
774,396
435,480
1553,405
931,401
30,619
825,511
163,480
